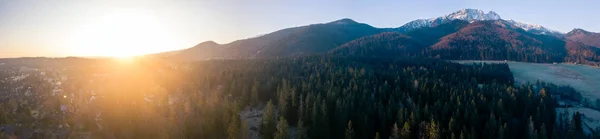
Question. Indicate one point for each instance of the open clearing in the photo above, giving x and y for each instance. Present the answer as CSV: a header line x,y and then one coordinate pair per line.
x,y
585,79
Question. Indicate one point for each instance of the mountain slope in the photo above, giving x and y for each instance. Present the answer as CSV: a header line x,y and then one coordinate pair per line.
x,y
431,35
481,40
465,34
581,53
492,40
316,39
388,44
304,40
585,37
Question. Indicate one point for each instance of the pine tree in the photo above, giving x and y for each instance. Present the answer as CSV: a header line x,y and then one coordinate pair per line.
x,y
282,99
282,129
596,133
452,125
530,129
322,121
233,129
244,131
490,126
543,134
555,134
268,125
432,130
395,132
254,93
576,131
301,130
502,131
349,131
405,130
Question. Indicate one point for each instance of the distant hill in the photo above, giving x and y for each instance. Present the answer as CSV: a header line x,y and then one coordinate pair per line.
x,y
304,40
585,37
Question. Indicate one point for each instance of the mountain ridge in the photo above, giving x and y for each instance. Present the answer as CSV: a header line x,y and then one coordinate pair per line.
x,y
472,15
323,38
584,36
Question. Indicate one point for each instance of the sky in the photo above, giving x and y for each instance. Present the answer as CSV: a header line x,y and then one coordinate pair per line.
x,y
59,28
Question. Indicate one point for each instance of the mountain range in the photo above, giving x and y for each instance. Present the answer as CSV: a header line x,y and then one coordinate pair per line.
x,y
468,34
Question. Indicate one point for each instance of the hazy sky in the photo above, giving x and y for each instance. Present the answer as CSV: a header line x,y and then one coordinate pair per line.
x,y
106,28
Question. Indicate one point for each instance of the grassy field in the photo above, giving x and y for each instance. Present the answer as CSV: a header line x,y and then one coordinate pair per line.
x,y
584,78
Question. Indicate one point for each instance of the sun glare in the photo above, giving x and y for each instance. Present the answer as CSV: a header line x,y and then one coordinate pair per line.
x,y
124,33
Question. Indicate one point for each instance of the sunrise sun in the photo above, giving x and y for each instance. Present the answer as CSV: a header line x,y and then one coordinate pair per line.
x,y
123,33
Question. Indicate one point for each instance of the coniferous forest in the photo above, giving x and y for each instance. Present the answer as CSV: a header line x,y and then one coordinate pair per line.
x,y
405,98
318,97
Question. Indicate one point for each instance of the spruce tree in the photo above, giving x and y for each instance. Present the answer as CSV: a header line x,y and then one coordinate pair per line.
x,y
349,131
233,129
268,125
301,132
576,131
282,129
432,130
244,131
405,130
395,132
530,132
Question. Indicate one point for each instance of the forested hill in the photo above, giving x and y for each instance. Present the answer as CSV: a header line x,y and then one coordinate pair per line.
x,y
296,41
479,40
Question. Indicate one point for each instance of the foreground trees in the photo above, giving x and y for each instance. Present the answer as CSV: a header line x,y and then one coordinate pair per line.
x,y
426,98
330,97
268,126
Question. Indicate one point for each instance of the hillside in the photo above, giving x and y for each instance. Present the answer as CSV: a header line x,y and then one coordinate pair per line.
x,y
388,44
304,40
479,40
585,37
493,41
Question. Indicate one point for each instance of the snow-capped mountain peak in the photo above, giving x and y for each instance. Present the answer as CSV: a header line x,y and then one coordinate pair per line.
x,y
539,29
472,15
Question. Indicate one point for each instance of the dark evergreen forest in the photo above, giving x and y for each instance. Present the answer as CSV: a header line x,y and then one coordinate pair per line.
x,y
318,97
327,97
